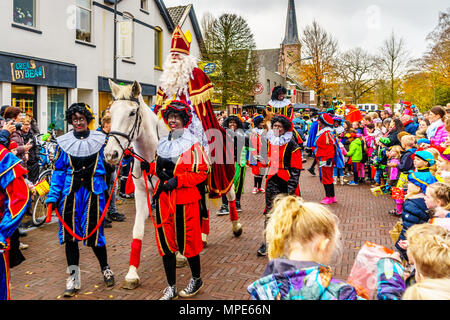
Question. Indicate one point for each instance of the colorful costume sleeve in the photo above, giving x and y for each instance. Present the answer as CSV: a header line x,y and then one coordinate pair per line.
x,y
390,282
58,176
199,171
16,194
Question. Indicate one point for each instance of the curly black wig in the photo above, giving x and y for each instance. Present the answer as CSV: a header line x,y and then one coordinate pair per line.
x,y
236,119
180,109
277,91
287,125
80,108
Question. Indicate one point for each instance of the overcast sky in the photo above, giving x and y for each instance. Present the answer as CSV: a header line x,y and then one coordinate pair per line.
x,y
353,23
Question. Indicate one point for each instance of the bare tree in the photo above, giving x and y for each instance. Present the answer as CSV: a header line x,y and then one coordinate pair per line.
x,y
319,44
356,69
392,62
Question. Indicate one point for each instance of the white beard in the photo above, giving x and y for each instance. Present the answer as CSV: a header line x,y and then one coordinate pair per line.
x,y
176,75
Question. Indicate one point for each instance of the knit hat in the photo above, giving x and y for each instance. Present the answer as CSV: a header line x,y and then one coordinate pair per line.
x,y
422,179
13,145
423,140
426,156
385,141
326,119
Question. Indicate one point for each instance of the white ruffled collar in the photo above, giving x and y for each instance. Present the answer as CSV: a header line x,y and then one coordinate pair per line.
x,y
81,147
174,148
258,131
277,104
279,141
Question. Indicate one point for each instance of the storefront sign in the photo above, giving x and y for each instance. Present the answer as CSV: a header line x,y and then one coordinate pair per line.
x,y
26,70
33,71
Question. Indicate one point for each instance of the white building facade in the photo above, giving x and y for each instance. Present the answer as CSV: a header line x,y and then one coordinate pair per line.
x,y
55,53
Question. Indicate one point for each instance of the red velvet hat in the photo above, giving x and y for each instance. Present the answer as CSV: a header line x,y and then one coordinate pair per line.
x,y
327,119
180,43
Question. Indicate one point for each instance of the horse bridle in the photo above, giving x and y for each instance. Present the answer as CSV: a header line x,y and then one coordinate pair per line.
x,y
134,130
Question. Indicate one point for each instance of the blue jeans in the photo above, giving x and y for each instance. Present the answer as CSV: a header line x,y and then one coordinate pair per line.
x,y
338,172
378,175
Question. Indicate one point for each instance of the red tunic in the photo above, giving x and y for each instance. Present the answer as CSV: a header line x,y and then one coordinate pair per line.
x,y
325,146
201,91
178,213
281,158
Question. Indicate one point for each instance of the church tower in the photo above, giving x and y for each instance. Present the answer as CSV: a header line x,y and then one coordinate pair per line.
x,y
290,47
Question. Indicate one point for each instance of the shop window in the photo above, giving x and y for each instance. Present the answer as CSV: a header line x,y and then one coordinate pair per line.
x,y
25,12
56,109
105,100
84,20
158,48
24,97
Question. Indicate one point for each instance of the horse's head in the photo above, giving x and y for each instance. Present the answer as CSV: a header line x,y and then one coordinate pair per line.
x,y
125,120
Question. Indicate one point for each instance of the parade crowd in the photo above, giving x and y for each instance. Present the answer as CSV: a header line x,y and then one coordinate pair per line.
x,y
403,155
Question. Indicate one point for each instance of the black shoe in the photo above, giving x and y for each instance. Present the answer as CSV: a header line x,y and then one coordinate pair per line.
x,y
108,276
107,224
170,293
115,216
262,250
192,288
223,210
107,219
238,207
311,170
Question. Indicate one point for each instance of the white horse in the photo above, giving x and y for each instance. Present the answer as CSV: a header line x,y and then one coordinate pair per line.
x,y
134,124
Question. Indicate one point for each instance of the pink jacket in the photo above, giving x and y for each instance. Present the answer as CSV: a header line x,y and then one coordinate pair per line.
x,y
440,136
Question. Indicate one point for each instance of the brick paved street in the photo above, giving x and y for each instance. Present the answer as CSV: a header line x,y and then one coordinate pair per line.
x,y
229,265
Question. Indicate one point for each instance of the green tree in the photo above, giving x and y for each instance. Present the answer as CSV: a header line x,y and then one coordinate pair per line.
x,y
229,43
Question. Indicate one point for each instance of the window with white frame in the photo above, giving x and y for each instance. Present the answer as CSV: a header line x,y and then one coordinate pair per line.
x,y
144,5
24,12
84,20
126,36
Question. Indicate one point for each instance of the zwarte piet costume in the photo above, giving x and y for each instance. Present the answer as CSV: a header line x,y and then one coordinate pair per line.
x,y
14,202
181,165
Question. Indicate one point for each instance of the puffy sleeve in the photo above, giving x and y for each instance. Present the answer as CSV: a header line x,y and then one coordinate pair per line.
x,y
199,170
58,176
390,282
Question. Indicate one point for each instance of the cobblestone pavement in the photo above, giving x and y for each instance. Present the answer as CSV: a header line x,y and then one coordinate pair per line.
x,y
229,264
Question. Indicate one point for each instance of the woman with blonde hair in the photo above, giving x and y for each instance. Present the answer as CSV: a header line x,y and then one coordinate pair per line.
x,y
302,237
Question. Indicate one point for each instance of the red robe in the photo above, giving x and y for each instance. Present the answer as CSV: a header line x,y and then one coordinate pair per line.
x,y
201,91
177,213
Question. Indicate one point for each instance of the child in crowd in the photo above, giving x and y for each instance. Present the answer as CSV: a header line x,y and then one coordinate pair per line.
x,y
338,173
386,126
302,239
394,160
13,147
437,199
355,154
443,166
428,249
380,161
414,207
429,289
356,126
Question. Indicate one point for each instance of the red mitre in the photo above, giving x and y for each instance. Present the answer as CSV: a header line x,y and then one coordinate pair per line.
x,y
180,43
